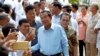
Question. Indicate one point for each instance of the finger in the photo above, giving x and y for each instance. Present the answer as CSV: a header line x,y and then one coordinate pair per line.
x,y
10,31
6,44
12,42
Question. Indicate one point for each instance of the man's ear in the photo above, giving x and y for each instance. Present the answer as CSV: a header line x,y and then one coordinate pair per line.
x,y
51,18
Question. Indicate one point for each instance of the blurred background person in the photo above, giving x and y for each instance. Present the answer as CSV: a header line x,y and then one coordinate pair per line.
x,y
82,25
74,12
71,34
8,9
31,17
56,11
91,36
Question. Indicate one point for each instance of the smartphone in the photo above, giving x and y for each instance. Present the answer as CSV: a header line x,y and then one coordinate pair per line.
x,y
21,45
14,30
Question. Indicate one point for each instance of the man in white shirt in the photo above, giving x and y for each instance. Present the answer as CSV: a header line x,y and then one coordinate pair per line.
x,y
26,33
56,11
73,22
97,30
8,9
19,10
91,35
74,12
11,2
4,41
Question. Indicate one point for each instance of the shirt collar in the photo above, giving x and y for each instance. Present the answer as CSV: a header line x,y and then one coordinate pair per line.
x,y
34,23
52,27
59,14
97,14
20,34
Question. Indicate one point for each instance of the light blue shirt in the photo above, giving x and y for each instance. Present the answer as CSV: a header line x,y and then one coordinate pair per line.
x,y
56,18
52,41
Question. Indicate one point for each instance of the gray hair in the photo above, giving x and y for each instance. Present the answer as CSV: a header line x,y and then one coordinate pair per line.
x,y
2,15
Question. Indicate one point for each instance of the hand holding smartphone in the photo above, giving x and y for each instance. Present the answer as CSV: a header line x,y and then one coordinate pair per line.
x,y
12,35
20,45
31,35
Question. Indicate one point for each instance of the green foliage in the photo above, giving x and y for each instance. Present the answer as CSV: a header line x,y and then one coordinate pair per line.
x,y
74,1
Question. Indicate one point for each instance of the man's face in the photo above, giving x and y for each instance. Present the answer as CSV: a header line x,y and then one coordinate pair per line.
x,y
93,9
73,9
65,21
46,20
25,4
43,4
31,15
24,28
5,21
54,9
37,8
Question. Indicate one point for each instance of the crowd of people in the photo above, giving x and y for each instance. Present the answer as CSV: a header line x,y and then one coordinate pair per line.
x,y
51,29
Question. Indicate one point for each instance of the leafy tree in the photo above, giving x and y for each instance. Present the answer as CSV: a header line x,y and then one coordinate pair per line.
x,y
74,1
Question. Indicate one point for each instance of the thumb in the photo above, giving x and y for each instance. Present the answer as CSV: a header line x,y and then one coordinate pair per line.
x,y
9,31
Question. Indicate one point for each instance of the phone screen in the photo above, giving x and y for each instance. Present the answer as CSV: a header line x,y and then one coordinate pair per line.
x,y
14,30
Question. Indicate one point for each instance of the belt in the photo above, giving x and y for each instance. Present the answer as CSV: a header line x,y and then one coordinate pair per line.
x,y
59,54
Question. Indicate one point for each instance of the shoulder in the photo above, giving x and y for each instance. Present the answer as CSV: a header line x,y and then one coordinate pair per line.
x,y
41,28
59,29
58,26
71,29
99,15
38,23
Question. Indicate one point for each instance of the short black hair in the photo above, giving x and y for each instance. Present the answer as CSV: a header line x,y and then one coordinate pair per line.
x,y
3,15
57,4
48,12
1,4
38,3
7,28
29,7
42,0
67,14
75,6
6,7
86,7
23,21
68,8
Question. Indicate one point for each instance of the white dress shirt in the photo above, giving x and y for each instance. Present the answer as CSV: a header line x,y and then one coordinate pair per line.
x,y
74,25
21,37
56,18
20,13
12,22
98,35
74,15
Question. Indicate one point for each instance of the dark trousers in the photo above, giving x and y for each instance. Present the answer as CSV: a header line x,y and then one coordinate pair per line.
x,y
81,45
3,51
59,54
36,53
